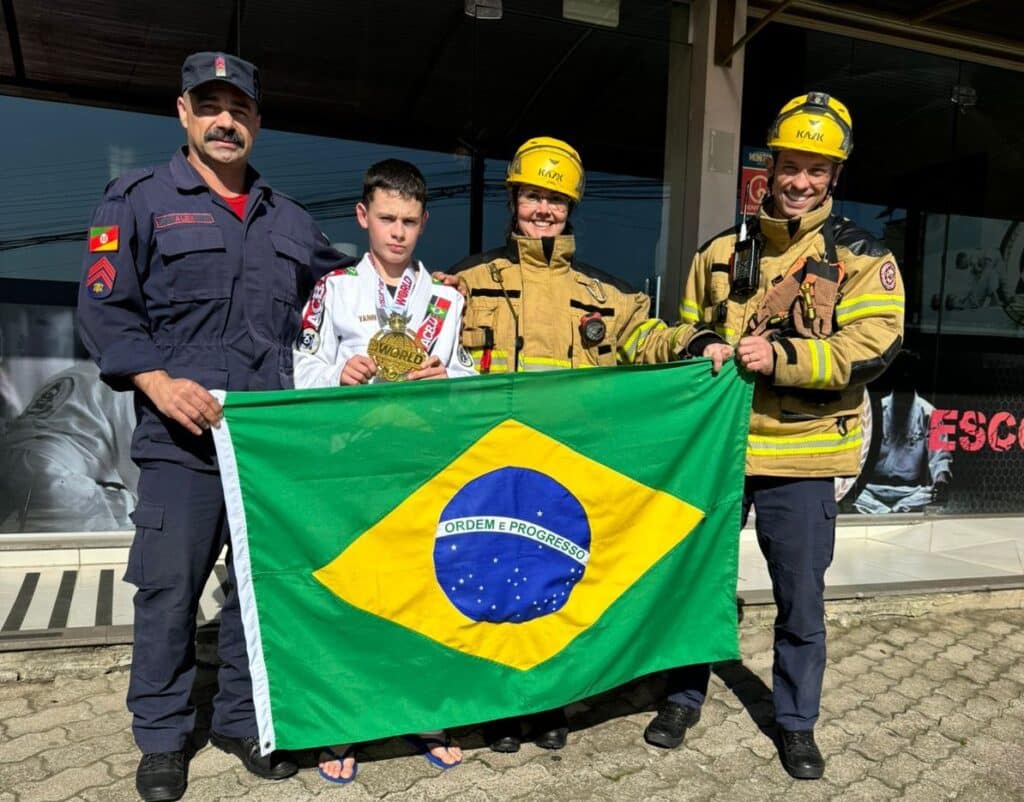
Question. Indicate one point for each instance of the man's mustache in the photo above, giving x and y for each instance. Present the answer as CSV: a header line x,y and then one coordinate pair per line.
x,y
218,134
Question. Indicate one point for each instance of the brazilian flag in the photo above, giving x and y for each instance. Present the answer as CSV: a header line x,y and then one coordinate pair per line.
x,y
438,553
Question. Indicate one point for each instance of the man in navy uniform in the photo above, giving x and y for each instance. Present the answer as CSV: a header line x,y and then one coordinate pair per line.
x,y
194,279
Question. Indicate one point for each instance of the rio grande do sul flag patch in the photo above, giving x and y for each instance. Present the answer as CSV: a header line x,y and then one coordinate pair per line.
x,y
103,238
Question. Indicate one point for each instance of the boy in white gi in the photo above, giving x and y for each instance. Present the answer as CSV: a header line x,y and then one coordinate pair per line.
x,y
389,306
387,302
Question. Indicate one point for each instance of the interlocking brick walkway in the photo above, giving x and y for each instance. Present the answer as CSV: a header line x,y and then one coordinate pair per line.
x,y
924,699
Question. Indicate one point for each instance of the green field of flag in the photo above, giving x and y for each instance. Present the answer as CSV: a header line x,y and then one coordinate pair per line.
x,y
440,553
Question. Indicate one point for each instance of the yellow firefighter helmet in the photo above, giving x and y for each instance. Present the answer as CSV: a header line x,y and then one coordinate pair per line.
x,y
550,164
816,123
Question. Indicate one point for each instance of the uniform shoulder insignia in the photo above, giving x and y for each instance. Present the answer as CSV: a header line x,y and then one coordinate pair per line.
x,y
349,270
119,187
344,270
855,239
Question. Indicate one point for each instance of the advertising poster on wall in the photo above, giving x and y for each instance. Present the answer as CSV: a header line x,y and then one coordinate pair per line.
x,y
65,436
904,469
36,341
954,454
753,180
979,287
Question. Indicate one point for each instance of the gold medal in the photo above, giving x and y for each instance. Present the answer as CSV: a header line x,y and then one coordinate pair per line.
x,y
395,350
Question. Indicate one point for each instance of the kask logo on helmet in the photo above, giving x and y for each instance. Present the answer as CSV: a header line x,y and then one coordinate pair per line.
x,y
813,136
552,175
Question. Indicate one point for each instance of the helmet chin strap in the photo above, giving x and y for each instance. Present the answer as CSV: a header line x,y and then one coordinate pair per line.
x,y
768,201
835,181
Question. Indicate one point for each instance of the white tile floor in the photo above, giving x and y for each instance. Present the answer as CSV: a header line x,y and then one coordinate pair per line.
x,y
907,552
932,550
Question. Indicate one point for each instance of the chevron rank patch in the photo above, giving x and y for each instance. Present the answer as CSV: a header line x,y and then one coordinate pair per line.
x,y
100,278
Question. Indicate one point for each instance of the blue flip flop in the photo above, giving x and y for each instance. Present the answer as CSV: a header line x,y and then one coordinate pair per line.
x,y
341,758
424,745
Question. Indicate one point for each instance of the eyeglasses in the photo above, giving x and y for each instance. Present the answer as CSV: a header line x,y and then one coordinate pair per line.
x,y
531,198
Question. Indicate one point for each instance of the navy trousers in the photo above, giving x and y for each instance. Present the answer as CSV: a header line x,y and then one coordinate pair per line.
x,y
181,527
795,523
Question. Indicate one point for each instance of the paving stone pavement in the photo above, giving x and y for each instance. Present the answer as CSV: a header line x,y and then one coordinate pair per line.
x,y
923,700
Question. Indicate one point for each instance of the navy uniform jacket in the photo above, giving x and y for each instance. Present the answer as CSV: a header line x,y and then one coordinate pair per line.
x,y
175,281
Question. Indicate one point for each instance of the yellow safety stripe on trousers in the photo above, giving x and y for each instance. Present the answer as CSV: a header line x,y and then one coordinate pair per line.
x,y
689,312
499,359
628,350
868,305
821,362
788,445
726,332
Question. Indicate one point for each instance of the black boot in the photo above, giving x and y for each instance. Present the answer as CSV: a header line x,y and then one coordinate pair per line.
x,y
800,755
162,776
668,728
553,727
503,735
247,749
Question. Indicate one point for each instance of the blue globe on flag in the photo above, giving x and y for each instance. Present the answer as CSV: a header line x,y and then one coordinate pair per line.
x,y
510,546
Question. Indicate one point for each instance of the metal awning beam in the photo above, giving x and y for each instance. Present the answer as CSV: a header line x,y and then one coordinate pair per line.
x,y
851,19
939,9
11,22
725,59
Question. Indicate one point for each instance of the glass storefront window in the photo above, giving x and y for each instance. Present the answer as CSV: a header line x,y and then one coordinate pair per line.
x,y
470,90
935,173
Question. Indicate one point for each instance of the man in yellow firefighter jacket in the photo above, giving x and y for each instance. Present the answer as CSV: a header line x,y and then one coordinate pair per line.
x,y
532,302
813,306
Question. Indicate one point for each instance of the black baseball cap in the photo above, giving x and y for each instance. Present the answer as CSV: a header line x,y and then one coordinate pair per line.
x,y
201,68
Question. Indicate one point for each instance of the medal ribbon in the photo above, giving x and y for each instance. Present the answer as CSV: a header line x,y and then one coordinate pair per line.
x,y
386,306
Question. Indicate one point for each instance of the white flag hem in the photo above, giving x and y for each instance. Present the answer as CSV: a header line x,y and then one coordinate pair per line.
x,y
243,579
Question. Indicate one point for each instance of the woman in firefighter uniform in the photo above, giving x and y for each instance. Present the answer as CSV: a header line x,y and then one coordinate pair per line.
x,y
531,303
531,306
813,306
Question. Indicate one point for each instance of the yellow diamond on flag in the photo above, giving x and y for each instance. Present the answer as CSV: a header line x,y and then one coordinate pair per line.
x,y
511,551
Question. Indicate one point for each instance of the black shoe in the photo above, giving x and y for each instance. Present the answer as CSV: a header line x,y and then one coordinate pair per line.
x,y
247,749
670,725
503,736
553,728
162,776
800,755
505,743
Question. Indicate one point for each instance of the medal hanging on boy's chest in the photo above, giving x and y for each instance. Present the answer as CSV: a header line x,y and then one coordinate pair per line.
x,y
395,349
